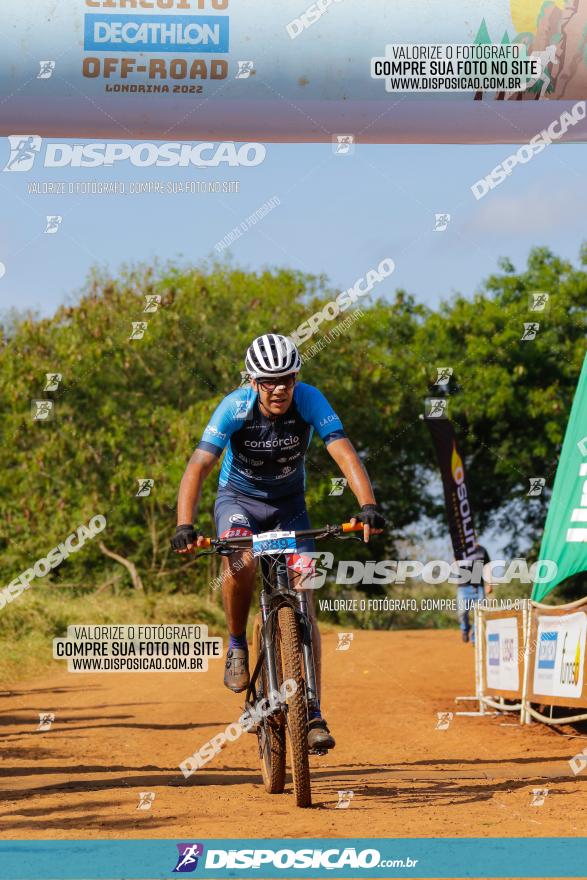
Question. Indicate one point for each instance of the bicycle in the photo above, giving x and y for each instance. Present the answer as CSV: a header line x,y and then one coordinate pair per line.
x,y
282,655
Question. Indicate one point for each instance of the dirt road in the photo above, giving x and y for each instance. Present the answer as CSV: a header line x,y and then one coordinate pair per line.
x,y
116,735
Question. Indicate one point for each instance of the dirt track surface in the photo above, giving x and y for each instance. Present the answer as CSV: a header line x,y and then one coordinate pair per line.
x,y
116,735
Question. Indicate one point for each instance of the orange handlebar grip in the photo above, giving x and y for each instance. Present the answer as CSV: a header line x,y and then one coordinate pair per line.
x,y
347,527
206,542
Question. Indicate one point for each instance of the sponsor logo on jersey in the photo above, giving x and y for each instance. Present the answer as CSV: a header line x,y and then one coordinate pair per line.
x,y
276,443
211,429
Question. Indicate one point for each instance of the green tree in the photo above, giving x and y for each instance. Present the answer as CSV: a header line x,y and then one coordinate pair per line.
x,y
514,396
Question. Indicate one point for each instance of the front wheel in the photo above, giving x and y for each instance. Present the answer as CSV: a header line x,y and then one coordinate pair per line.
x,y
271,730
297,722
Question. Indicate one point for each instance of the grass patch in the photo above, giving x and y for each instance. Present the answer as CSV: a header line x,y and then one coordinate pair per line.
x,y
30,623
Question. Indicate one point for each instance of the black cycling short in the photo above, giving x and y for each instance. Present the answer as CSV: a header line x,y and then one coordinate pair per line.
x,y
234,511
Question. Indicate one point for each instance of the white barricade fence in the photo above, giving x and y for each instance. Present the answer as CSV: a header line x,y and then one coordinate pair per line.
x,y
532,658
555,668
499,660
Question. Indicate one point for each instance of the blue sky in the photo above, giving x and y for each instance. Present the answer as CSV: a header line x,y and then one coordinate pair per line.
x,y
338,215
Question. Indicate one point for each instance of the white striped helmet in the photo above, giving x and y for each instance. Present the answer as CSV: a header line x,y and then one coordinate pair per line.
x,y
272,355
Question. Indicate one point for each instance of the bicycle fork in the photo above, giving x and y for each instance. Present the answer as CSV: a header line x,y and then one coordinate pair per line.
x,y
272,681
305,626
308,653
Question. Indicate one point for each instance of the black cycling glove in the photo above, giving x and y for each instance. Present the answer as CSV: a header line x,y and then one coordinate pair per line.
x,y
371,516
184,535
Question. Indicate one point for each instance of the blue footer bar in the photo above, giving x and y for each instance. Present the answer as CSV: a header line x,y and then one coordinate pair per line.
x,y
339,858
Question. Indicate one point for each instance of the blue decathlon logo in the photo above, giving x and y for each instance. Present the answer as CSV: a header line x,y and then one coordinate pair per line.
x,y
156,33
547,650
493,649
187,860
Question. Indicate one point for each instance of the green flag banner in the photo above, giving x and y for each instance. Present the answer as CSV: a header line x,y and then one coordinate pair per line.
x,y
565,533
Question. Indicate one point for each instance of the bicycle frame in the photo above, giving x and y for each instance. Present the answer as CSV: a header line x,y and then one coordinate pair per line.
x,y
286,653
277,590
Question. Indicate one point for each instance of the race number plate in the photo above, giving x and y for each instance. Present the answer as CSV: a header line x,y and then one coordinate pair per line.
x,y
271,543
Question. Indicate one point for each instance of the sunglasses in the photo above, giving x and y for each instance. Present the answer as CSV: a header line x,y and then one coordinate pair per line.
x,y
272,384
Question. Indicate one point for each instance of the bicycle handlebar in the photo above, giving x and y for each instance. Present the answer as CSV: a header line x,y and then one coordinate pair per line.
x,y
247,540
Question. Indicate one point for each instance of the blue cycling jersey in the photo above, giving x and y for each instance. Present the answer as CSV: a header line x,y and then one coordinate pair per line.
x,y
265,457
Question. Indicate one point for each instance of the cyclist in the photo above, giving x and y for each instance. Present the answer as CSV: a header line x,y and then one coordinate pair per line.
x,y
266,428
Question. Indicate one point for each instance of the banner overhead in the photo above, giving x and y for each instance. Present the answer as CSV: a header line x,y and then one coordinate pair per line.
x,y
501,71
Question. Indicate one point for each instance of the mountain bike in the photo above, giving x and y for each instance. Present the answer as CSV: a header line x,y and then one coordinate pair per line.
x,y
283,677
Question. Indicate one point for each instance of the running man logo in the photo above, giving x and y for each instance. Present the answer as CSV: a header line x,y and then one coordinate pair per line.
x,y
187,860
443,375
146,799
241,411
344,800
441,222
46,719
138,329
344,641
539,795
23,151
152,302
53,223
53,380
538,301
338,485
312,577
245,69
537,484
579,514
42,410
443,720
46,69
343,144
436,408
530,331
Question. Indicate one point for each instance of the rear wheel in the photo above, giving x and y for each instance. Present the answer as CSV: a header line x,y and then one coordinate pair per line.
x,y
271,729
297,722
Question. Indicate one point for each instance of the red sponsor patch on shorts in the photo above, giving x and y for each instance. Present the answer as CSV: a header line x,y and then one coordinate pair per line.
x,y
235,533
